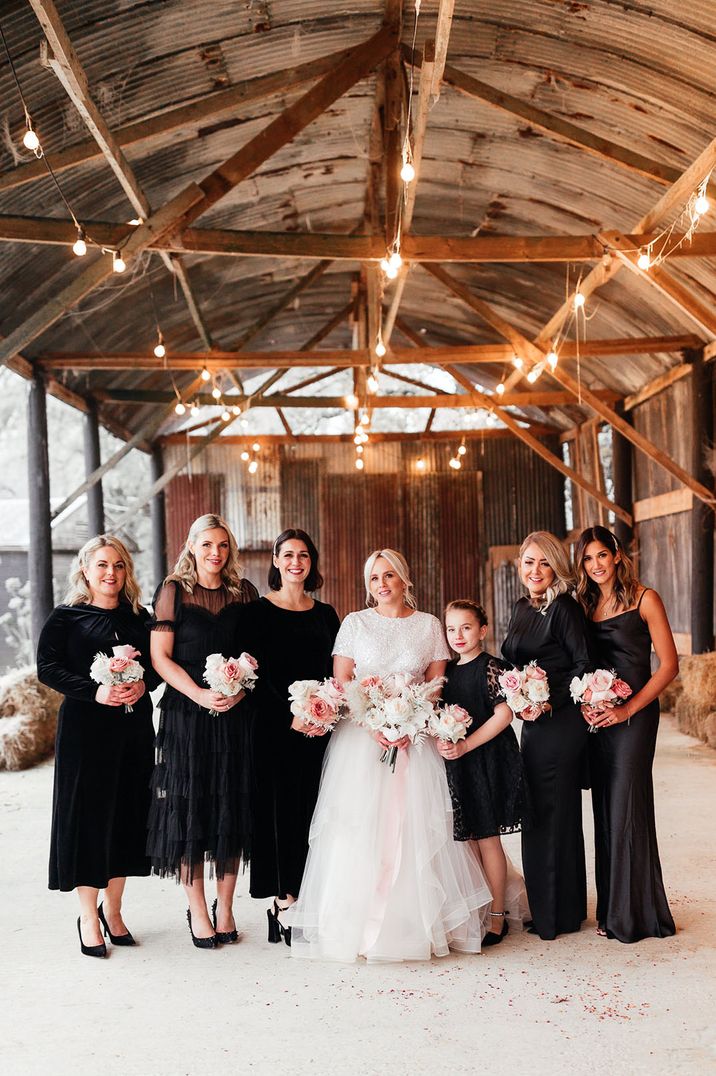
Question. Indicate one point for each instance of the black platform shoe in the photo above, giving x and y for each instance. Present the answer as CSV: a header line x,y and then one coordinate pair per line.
x,y
491,938
116,939
201,943
90,950
225,937
276,929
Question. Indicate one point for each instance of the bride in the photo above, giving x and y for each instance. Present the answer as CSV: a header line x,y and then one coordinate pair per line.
x,y
384,878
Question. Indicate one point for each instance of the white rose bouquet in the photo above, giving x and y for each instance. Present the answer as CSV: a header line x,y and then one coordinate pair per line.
x,y
318,704
396,706
121,668
526,691
229,676
449,723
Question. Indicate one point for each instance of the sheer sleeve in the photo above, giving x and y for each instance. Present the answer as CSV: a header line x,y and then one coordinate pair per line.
x,y
440,650
52,661
344,645
493,670
249,593
166,602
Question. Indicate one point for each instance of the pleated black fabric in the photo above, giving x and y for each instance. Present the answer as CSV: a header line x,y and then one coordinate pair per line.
x,y
631,902
554,750
103,756
287,765
201,794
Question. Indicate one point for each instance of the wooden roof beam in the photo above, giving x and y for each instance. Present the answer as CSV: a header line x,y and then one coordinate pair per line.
x,y
469,400
267,440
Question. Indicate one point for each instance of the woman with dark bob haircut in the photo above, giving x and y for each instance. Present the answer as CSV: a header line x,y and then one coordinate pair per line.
x,y
292,634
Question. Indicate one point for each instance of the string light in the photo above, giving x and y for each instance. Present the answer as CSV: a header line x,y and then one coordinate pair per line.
x,y
643,261
380,348
500,388
517,362
364,419
407,172
579,300
216,392
30,140
245,456
420,464
118,262
359,450
195,408
462,449
135,221
360,463
702,204
455,463
372,382
553,359
236,410
351,401
159,348
534,373
253,467
180,409
256,447
205,375
79,247
225,415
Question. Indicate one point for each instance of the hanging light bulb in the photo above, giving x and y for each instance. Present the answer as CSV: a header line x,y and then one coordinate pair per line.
x,y
500,390
360,463
643,261
253,467
461,450
553,359
702,204
245,456
205,375
195,408
372,382
364,419
579,300
216,392
357,439
391,272
351,401
380,348
79,247
225,415
533,374
384,265
135,221
30,139
455,463
159,349
236,410
359,450
420,464
517,362
256,447
407,172
118,262
395,261
180,409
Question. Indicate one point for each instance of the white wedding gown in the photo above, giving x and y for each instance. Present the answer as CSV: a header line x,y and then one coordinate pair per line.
x,y
384,878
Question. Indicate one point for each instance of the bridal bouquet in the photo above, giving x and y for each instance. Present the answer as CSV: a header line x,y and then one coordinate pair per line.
x,y
229,676
526,691
396,706
318,703
449,723
121,668
599,690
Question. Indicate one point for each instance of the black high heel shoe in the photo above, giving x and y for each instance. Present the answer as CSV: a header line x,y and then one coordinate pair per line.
x,y
276,929
201,943
116,939
224,937
90,950
492,938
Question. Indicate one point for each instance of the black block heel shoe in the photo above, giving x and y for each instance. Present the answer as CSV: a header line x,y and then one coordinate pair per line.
x,y
224,937
200,943
492,938
276,929
90,950
116,939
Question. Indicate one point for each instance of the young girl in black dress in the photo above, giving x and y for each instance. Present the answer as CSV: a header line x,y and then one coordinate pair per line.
x,y
484,770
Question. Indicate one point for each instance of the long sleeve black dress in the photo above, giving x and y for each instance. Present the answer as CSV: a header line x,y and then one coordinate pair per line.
x,y
554,749
201,797
631,902
292,645
103,756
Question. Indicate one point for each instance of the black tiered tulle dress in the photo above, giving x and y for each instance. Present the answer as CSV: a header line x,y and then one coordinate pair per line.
x,y
201,796
554,751
486,784
103,755
631,902
290,645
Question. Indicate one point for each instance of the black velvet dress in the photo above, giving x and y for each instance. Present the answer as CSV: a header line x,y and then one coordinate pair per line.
x,y
201,796
486,784
103,755
631,902
554,750
287,765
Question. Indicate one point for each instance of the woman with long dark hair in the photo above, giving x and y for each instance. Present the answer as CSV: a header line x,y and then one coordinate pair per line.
x,y
293,635
625,619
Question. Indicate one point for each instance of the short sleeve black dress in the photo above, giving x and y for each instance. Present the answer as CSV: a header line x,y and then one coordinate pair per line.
x,y
201,802
554,751
631,902
103,755
486,784
291,645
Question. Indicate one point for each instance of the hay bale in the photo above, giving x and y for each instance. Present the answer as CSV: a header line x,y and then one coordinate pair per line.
x,y
28,719
668,697
695,708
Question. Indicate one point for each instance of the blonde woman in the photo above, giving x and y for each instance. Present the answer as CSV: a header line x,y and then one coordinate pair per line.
x,y
384,878
104,755
200,786
549,627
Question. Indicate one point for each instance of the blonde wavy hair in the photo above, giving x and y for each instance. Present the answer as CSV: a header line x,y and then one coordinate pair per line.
x,y
399,564
556,556
184,571
78,591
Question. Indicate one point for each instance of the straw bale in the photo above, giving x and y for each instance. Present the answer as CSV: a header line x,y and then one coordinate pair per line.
x,y
695,708
668,697
28,719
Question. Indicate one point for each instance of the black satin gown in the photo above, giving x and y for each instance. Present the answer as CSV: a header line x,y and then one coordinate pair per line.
x,y
631,902
554,751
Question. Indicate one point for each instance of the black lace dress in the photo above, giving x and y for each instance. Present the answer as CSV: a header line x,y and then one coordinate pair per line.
x,y
486,784
554,751
631,902
201,797
103,755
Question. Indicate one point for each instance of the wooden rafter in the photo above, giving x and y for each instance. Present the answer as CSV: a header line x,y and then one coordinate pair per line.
x,y
657,385
266,440
284,301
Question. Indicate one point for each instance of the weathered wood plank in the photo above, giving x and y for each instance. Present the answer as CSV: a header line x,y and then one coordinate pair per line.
x,y
653,388
663,504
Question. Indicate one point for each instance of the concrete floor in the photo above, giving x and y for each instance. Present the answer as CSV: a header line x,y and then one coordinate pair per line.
x,y
579,1004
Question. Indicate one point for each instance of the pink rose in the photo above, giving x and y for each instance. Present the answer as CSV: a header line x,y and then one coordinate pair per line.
x,y
601,680
125,651
118,665
531,713
371,681
319,710
534,672
511,682
231,671
248,662
621,689
587,695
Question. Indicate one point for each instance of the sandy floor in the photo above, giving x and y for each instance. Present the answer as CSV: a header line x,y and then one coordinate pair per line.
x,y
580,1003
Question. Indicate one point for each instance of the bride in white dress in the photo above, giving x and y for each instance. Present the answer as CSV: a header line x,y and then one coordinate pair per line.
x,y
384,878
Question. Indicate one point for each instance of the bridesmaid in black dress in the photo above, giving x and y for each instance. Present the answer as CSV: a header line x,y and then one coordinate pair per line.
x,y
549,627
294,636
626,619
103,755
201,804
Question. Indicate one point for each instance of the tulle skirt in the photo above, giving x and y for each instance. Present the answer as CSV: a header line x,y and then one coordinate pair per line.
x,y
384,878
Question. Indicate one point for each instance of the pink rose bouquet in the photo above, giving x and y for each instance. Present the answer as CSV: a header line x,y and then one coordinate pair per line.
x,y
526,691
229,676
395,706
599,691
121,668
449,723
320,704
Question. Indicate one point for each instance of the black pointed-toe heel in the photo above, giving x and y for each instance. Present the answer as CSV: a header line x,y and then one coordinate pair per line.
x,y
90,950
200,943
276,929
116,939
492,938
224,937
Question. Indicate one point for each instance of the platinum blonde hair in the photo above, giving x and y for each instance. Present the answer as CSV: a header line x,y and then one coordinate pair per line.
x,y
78,591
399,564
555,554
185,568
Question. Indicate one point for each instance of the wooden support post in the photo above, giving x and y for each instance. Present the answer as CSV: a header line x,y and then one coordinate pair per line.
x,y
39,561
702,518
158,517
622,464
95,499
